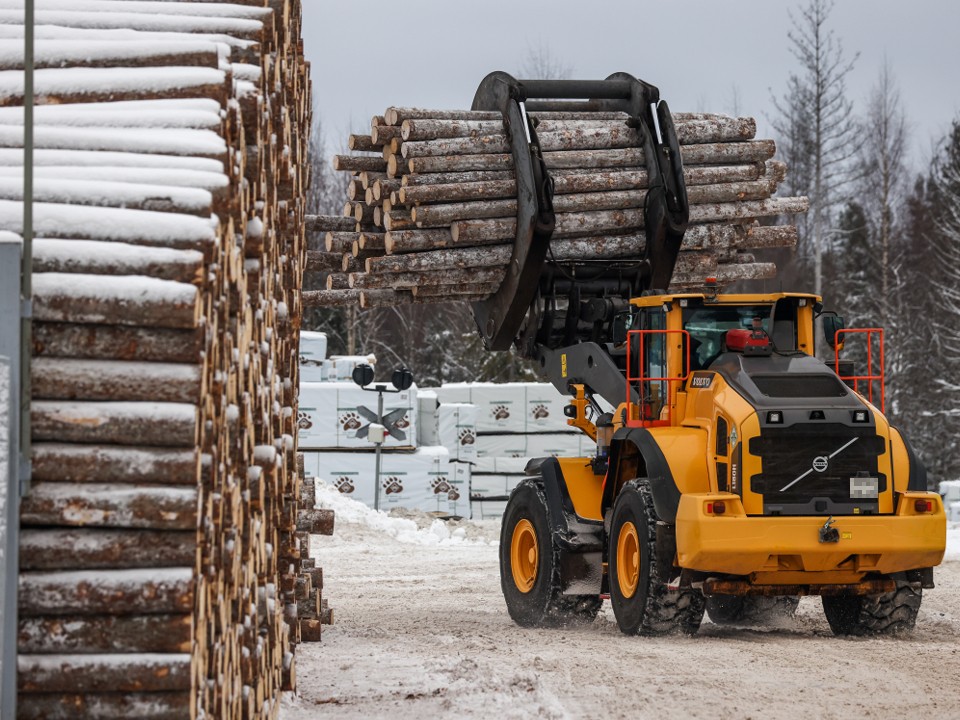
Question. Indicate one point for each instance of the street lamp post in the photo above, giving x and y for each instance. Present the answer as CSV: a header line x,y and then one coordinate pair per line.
x,y
401,380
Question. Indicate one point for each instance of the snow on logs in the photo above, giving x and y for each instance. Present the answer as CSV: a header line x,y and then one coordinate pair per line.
x,y
164,568
431,203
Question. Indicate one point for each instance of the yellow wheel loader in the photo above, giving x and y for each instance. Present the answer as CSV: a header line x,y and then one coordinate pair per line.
x,y
735,471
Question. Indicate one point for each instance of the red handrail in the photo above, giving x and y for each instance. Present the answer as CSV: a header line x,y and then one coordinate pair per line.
x,y
871,377
641,379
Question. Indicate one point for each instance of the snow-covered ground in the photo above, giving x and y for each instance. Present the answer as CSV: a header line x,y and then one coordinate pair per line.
x,y
421,630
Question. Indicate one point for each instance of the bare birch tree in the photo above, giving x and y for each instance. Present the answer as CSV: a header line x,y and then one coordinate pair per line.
x,y
540,64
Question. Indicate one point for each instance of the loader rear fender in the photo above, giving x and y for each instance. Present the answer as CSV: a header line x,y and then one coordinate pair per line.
x,y
634,453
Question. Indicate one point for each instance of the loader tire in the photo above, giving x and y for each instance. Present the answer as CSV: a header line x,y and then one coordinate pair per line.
x,y
889,613
529,565
641,601
751,609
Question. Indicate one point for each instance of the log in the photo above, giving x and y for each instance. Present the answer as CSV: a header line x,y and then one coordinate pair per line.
x,y
337,281
460,163
141,672
369,241
124,592
330,298
358,163
567,225
728,153
748,210
74,379
451,291
754,271
114,463
454,192
41,549
115,342
363,143
495,256
368,178
112,258
106,706
451,178
340,242
106,634
318,261
316,521
110,505
405,241
396,115
329,223
413,279
121,423
398,220
391,298
383,134
63,297
382,189
730,192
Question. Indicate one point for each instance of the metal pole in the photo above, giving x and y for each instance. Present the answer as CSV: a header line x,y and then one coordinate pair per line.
x,y
9,474
376,497
26,257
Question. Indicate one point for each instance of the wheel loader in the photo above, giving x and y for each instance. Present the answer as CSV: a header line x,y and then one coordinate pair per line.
x,y
735,471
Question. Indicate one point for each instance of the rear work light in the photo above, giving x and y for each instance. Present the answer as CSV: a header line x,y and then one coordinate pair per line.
x,y
716,508
923,506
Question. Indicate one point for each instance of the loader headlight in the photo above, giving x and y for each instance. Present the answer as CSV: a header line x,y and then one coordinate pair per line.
x,y
774,417
861,416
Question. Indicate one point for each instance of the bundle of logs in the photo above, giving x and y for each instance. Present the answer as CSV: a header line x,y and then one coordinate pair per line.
x,y
431,203
164,565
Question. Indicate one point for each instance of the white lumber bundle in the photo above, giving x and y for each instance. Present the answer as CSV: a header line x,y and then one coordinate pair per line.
x,y
448,206
162,546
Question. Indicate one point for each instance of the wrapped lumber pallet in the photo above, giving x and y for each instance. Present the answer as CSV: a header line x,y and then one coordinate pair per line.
x,y
164,566
443,206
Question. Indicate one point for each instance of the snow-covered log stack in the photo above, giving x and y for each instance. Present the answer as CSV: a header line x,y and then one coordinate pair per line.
x,y
163,555
431,208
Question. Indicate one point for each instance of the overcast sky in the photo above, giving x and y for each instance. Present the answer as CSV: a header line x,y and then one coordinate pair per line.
x,y
704,55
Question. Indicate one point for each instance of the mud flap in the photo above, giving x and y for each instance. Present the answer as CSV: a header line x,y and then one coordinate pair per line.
x,y
578,542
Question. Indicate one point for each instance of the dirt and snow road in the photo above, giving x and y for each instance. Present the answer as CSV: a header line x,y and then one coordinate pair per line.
x,y
422,631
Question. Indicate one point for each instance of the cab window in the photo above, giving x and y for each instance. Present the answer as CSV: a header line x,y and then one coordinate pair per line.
x,y
708,323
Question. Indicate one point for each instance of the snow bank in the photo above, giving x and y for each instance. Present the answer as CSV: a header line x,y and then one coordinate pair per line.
x,y
404,530
953,542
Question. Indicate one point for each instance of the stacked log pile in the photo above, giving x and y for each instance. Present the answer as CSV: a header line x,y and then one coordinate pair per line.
x,y
431,203
164,561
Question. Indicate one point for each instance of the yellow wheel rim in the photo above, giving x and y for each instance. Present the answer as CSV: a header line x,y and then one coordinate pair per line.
x,y
628,559
524,555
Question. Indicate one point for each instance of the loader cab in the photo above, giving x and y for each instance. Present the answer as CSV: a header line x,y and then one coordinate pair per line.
x,y
671,336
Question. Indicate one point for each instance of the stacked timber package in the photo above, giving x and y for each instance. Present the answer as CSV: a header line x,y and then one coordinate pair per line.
x,y
431,203
164,569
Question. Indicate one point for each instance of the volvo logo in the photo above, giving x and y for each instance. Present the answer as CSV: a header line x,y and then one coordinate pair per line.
x,y
820,463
